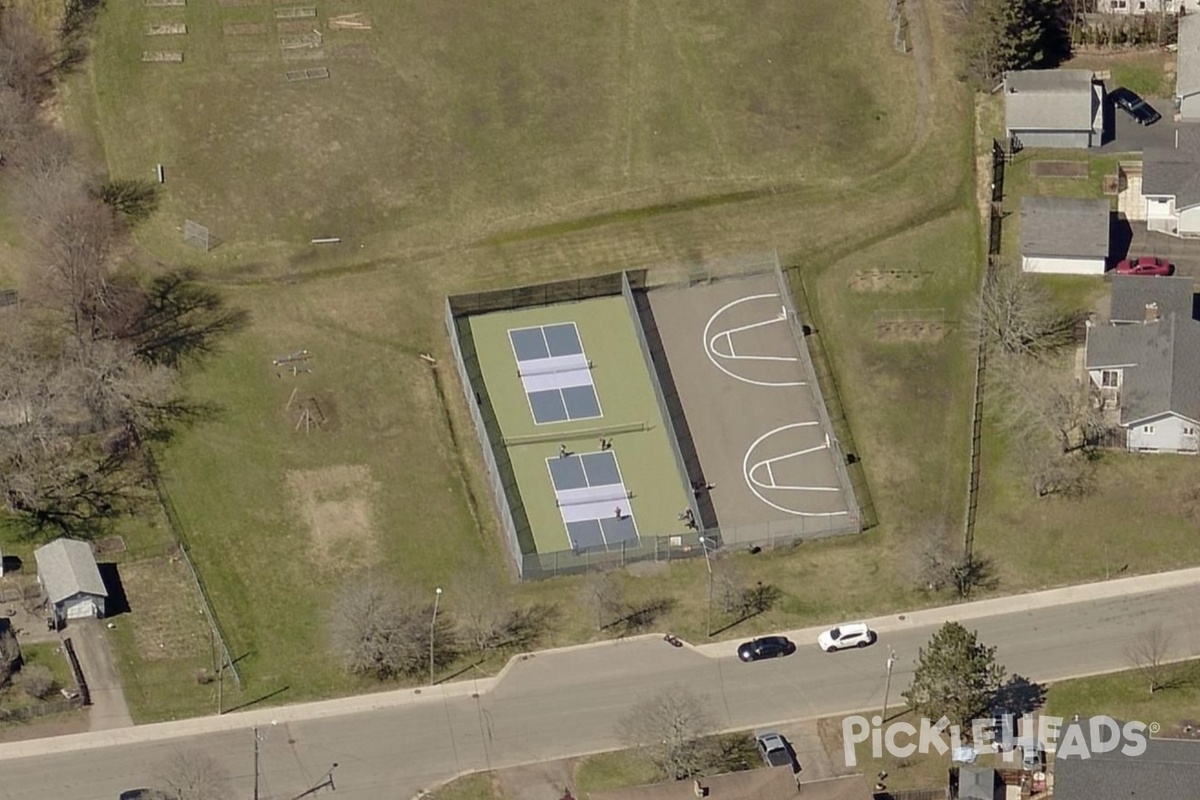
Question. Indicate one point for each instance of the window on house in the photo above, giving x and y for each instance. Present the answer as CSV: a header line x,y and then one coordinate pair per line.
x,y
1188,430
1147,429
1142,5
1108,378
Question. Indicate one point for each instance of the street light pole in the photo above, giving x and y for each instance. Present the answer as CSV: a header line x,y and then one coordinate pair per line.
x,y
432,628
887,687
256,741
708,564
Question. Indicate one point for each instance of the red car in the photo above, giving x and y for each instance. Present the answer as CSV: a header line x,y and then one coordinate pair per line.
x,y
1146,265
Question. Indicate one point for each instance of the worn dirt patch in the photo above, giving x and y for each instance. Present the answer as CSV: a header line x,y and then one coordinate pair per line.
x,y
163,610
886,280
910,331
1059,169
335,503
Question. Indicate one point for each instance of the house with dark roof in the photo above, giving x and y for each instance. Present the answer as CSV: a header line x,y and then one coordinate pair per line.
x,y
1171,185
1062,108
1169,769
1187,71
978,783
1144,368
69,576
1064,235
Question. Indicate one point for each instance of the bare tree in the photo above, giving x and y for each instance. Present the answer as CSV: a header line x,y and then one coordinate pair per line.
x,y
25,62
1043,398
1149,654
605,596
481,603
10,654
381,631
1053,473
1018,318
36,680
943,563
195,775
670,728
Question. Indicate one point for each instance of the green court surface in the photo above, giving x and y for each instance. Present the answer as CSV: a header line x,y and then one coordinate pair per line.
x,y
630,417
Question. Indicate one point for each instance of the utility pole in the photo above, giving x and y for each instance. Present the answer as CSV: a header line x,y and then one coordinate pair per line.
x,y
432,629
887,687
257,739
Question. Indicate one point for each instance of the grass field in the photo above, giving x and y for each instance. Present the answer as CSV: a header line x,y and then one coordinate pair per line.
x,y
625,395
506,143
439,126
1126,696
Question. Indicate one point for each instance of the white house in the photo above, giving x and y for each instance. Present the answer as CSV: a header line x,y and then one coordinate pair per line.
x,y
71,580
1149,370
1171,185
1061,108
1064,235
1138,8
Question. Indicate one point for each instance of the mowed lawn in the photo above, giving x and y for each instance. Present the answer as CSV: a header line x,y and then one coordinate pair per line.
x,y
278,516
441,124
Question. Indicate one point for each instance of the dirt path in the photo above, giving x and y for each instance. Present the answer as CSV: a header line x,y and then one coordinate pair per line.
x,y
922,44
109,709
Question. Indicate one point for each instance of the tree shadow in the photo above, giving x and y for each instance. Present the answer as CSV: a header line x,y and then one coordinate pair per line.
x,y
755,600
257,700
179,320
1019,695
642,616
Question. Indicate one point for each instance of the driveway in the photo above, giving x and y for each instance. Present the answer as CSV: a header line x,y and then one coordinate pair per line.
x,y
109,709
1131,239
1123,135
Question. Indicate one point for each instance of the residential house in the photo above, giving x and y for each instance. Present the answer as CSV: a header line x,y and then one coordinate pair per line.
x,y
1169,769
1171,185
1145,369
766,783
1187,70
71,580
1139,7
1061,108
978,783
1064,235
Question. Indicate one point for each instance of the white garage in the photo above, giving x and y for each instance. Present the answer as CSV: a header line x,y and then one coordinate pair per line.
x,y
1063,235
71,580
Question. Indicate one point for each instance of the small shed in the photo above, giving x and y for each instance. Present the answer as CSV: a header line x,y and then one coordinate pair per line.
x,y
979,783
1064,235
1059,108
69,576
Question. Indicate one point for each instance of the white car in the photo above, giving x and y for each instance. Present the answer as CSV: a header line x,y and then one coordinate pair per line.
x,y
850,634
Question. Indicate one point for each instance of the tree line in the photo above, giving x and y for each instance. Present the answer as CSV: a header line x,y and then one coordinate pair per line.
x,y
93,350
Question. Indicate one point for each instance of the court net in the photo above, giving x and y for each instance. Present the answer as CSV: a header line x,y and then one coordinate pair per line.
x,y
527,371
616,494
576,435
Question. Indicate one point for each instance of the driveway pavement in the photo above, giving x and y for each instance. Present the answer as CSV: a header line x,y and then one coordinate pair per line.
x,y
109,709
564,703
1123,135
1137,241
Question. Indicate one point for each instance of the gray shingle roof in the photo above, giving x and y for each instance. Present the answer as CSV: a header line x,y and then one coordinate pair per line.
x,y
66,567
976,783
1053,99
1131,294
1161,361
1175,172
1067,227
1168,770
1187,79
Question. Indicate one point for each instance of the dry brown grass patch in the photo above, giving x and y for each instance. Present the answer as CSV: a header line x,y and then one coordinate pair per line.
x,y
920,331
335,503
886,280
165,611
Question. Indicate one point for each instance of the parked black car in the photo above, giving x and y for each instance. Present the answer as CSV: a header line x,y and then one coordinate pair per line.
x,y
1132,104
766,647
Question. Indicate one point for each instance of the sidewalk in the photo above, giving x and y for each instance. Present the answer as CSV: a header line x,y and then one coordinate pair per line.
x,y
963,612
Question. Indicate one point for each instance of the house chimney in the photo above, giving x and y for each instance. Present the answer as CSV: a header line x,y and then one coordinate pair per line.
x,y
1151,312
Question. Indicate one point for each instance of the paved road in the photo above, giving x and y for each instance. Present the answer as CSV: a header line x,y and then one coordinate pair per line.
x,y
566,702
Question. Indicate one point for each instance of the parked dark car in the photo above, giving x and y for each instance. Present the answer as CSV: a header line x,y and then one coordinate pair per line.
x,y
1132,104
1145,265
766,647
144,794
775,751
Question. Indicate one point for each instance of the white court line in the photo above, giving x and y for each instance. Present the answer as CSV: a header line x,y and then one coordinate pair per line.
x,y
754,486
728,334
770,472
707,339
